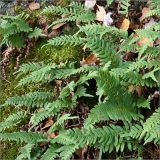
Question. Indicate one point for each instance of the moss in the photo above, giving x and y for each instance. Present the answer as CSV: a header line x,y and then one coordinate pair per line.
x,y
54,54
9,150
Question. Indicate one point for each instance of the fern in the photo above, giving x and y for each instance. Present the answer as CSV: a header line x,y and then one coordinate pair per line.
x,y
124,6
109,100
25,152
33,99
64,40
12,120
118,110
51,153
27,137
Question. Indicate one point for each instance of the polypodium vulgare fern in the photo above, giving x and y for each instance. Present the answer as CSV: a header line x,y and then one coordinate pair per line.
x,y
116,121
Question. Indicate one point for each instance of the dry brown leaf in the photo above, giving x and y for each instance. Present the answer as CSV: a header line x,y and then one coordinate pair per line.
x,y
58,26
125,24
48,123
90,60
52,135
145,10
90,4
34,6
100,13
141,42
54,33
139,90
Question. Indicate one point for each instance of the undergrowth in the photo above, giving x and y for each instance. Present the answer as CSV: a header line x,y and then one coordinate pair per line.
x,y
122,119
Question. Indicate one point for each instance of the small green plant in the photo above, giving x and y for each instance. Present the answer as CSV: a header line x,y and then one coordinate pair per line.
x,y
15,29
116,122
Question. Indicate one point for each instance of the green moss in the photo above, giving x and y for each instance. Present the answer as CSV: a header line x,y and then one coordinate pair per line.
x,y
9,150
54,54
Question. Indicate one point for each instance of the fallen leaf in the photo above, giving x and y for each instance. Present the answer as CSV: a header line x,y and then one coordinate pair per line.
x,y
54,33
90,60
141,42
52,135
100,13
34,6
139,90
48,123
107,19
145,10
125,24
58,26
90,4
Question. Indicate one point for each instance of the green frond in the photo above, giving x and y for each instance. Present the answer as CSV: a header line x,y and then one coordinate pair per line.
x,y
97,29
41,75
25,152
12,120
51,153
106,138
28,137
105,50
67,39
30,67
119,109
60,122
67,151
33,99
124,7
151,127
36,33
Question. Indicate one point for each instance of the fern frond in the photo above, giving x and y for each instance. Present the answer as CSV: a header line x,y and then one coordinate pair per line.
x,y
41,75
30,67
60,122
51,153
12,120
104,50
119,109
149,127
64,40
106,138
33,99
97,29
28,137
25,152
124,6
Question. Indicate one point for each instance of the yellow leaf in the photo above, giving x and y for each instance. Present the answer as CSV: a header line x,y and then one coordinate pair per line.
x,y
125,24
100,14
